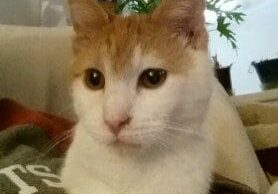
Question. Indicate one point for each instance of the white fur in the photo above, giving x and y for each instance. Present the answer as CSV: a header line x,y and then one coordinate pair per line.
x,y
167,161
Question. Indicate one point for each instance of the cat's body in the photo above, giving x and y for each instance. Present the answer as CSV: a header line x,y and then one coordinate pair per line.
x,y
140,133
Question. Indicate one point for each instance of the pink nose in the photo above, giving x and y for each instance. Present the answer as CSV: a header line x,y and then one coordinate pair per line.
x,y
116,125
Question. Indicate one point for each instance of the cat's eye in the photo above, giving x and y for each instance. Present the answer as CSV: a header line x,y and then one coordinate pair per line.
x,y
94,79
153,78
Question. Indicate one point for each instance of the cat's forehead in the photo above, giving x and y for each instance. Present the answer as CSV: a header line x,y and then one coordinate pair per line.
x,y
127,42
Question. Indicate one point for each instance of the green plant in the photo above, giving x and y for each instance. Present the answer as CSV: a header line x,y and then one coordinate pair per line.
x,y
224,18
138,6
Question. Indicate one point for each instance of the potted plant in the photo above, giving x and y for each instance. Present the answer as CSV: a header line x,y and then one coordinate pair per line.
x,y
267,71
223,74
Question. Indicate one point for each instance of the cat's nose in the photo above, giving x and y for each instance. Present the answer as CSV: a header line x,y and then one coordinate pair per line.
x,y
116,125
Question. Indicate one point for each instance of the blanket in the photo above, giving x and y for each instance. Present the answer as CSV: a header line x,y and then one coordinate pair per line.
x,y
30,159
261,121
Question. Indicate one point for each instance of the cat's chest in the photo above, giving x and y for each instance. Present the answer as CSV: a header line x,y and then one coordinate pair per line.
x,y
159,175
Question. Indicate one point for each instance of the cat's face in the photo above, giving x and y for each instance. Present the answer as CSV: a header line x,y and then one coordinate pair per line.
x,y
140,81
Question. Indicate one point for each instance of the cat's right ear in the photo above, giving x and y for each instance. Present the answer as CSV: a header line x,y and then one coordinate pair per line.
x,y
184,18
87,16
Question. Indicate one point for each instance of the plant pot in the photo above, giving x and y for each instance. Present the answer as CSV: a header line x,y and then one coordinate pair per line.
x,y
223,74
267,71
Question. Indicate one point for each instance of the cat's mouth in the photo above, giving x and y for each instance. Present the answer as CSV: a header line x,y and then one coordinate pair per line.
x,y
124,144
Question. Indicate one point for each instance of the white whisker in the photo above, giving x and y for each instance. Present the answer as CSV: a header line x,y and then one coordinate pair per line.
x,y
59,140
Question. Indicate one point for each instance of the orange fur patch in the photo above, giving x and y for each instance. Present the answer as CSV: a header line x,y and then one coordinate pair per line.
x,y
117,37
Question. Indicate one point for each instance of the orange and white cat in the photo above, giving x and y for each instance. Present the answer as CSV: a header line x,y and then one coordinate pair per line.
x,y
141,90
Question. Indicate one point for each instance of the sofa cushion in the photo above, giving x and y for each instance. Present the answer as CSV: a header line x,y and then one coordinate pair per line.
x,y
34,67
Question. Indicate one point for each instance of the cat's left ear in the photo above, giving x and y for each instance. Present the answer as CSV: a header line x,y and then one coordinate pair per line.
x,y
87,16
184,18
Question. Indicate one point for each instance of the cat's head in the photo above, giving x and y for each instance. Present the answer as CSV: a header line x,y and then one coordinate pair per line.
x,y
141,80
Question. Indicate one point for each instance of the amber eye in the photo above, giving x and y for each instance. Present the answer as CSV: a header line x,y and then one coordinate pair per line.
x,y
153,78
94,79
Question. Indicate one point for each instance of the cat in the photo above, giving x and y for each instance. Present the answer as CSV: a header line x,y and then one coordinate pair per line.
x,y
141,90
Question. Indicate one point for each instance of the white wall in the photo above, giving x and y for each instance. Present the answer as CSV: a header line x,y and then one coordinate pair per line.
x,y
257,39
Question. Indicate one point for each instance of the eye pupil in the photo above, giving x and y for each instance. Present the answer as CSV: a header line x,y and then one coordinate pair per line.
x,y
153,78
94,79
